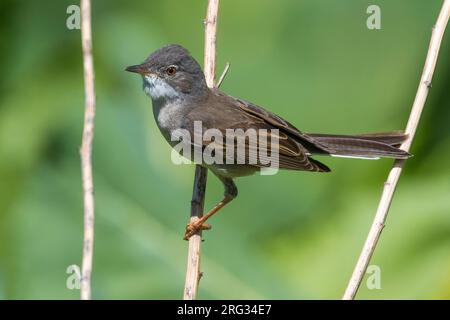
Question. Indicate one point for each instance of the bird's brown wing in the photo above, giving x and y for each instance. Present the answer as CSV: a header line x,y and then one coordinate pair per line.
x,y
308,142
367,146
223,112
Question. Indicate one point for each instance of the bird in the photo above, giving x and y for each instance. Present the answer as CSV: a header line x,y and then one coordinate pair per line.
x,y
176,84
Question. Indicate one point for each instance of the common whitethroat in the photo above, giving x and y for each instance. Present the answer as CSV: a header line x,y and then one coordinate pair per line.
x,y
176,84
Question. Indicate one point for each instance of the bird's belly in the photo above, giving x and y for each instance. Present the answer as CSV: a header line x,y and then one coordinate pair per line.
x,y
232,170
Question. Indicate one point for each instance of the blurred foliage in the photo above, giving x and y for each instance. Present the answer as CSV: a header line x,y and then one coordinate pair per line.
x,y
293,235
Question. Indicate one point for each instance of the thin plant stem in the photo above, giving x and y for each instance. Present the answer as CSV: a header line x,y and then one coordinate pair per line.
x,y
394,175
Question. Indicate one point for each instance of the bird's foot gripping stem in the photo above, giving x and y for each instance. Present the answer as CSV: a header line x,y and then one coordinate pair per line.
x,y
194,227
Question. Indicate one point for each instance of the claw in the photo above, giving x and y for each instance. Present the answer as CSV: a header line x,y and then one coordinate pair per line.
x,y
193,228
205,227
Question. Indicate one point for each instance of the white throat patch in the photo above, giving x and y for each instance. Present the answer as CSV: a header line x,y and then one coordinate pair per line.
x,y
157,88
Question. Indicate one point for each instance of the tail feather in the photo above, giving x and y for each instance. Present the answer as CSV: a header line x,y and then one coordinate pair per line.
x,y
368,146
395,138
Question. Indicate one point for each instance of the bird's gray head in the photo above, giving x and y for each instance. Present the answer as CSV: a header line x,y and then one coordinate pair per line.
x,y
171,73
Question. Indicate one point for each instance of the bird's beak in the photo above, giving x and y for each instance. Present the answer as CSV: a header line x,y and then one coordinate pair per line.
x,y
139,68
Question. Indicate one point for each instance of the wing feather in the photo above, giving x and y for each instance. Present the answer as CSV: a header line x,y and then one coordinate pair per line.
x,y
231,113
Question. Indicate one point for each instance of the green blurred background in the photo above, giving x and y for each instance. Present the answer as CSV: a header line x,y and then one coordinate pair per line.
x,y
290,236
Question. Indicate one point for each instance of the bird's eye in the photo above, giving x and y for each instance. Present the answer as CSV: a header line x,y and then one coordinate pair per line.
x,y
171,70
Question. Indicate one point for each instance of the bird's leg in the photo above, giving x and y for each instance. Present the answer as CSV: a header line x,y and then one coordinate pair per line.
x,y
229,194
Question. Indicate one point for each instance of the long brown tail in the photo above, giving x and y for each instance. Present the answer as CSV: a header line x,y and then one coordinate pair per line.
x,y
368,146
